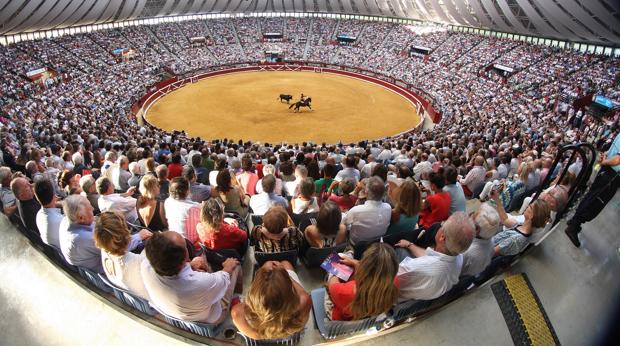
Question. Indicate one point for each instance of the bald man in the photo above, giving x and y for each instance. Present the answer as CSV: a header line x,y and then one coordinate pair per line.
x,y
27,206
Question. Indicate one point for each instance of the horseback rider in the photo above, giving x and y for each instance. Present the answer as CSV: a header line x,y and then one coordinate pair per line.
x,y
302,98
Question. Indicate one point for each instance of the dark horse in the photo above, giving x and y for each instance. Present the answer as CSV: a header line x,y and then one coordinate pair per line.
x,y
304,103
286,98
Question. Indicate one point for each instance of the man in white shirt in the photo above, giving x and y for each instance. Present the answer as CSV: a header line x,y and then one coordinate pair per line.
x,y
422,167
434,271
178,205
119,202
182,288
481,251
386,154
109,164
291,188
371,219
49,216
349,170
368,167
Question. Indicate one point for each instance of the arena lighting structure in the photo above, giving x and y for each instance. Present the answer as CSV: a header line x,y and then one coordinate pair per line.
x,y
591,21
423,107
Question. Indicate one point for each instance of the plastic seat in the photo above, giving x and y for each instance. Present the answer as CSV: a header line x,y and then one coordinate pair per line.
x,y
477,191
298,219
392,239
241,220
332,329
517,201
410,308
315,256
58,257
455,292
307,221
291,340
129,298
255,220
262,257
414,308
361,246
94,279
199,328
215,258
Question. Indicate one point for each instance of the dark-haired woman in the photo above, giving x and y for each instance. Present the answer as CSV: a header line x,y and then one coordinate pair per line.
x,y
328,230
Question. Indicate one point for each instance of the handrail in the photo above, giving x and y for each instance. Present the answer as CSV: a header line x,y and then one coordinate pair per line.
x,y
581,149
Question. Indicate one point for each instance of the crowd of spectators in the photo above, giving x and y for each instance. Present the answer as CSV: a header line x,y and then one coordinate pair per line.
x,y
73,144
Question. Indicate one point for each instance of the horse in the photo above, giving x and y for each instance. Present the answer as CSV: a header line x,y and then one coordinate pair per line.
x,y
286,98
302,103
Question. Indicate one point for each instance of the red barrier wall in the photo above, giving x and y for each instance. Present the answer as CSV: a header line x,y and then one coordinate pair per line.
x,y
407,93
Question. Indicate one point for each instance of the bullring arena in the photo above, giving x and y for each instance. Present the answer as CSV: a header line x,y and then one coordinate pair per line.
x,y
453,182
249,103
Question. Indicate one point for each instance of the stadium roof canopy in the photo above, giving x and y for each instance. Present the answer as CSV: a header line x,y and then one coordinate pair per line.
x,y
595,21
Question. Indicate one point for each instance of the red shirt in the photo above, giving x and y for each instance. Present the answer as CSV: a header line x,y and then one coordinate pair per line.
x,y
342,295
248,181
259,170
439,205
344,203
229,237
174,170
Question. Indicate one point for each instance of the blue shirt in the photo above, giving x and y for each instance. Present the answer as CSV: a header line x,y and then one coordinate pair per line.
x,y
457,197
613,151
78,246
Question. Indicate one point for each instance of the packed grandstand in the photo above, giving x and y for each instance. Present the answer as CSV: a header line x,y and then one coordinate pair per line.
x,y
499,134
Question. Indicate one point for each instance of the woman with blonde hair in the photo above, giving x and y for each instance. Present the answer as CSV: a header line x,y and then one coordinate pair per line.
x,y
121,266
215,233
372,290
405,213
150,166
276,305
151,211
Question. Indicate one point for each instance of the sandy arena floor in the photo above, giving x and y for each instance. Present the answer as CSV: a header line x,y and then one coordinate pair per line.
x,y
246,106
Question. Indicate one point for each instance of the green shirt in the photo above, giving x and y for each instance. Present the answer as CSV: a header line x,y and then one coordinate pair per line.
x,y
208,164
319,183
404,223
